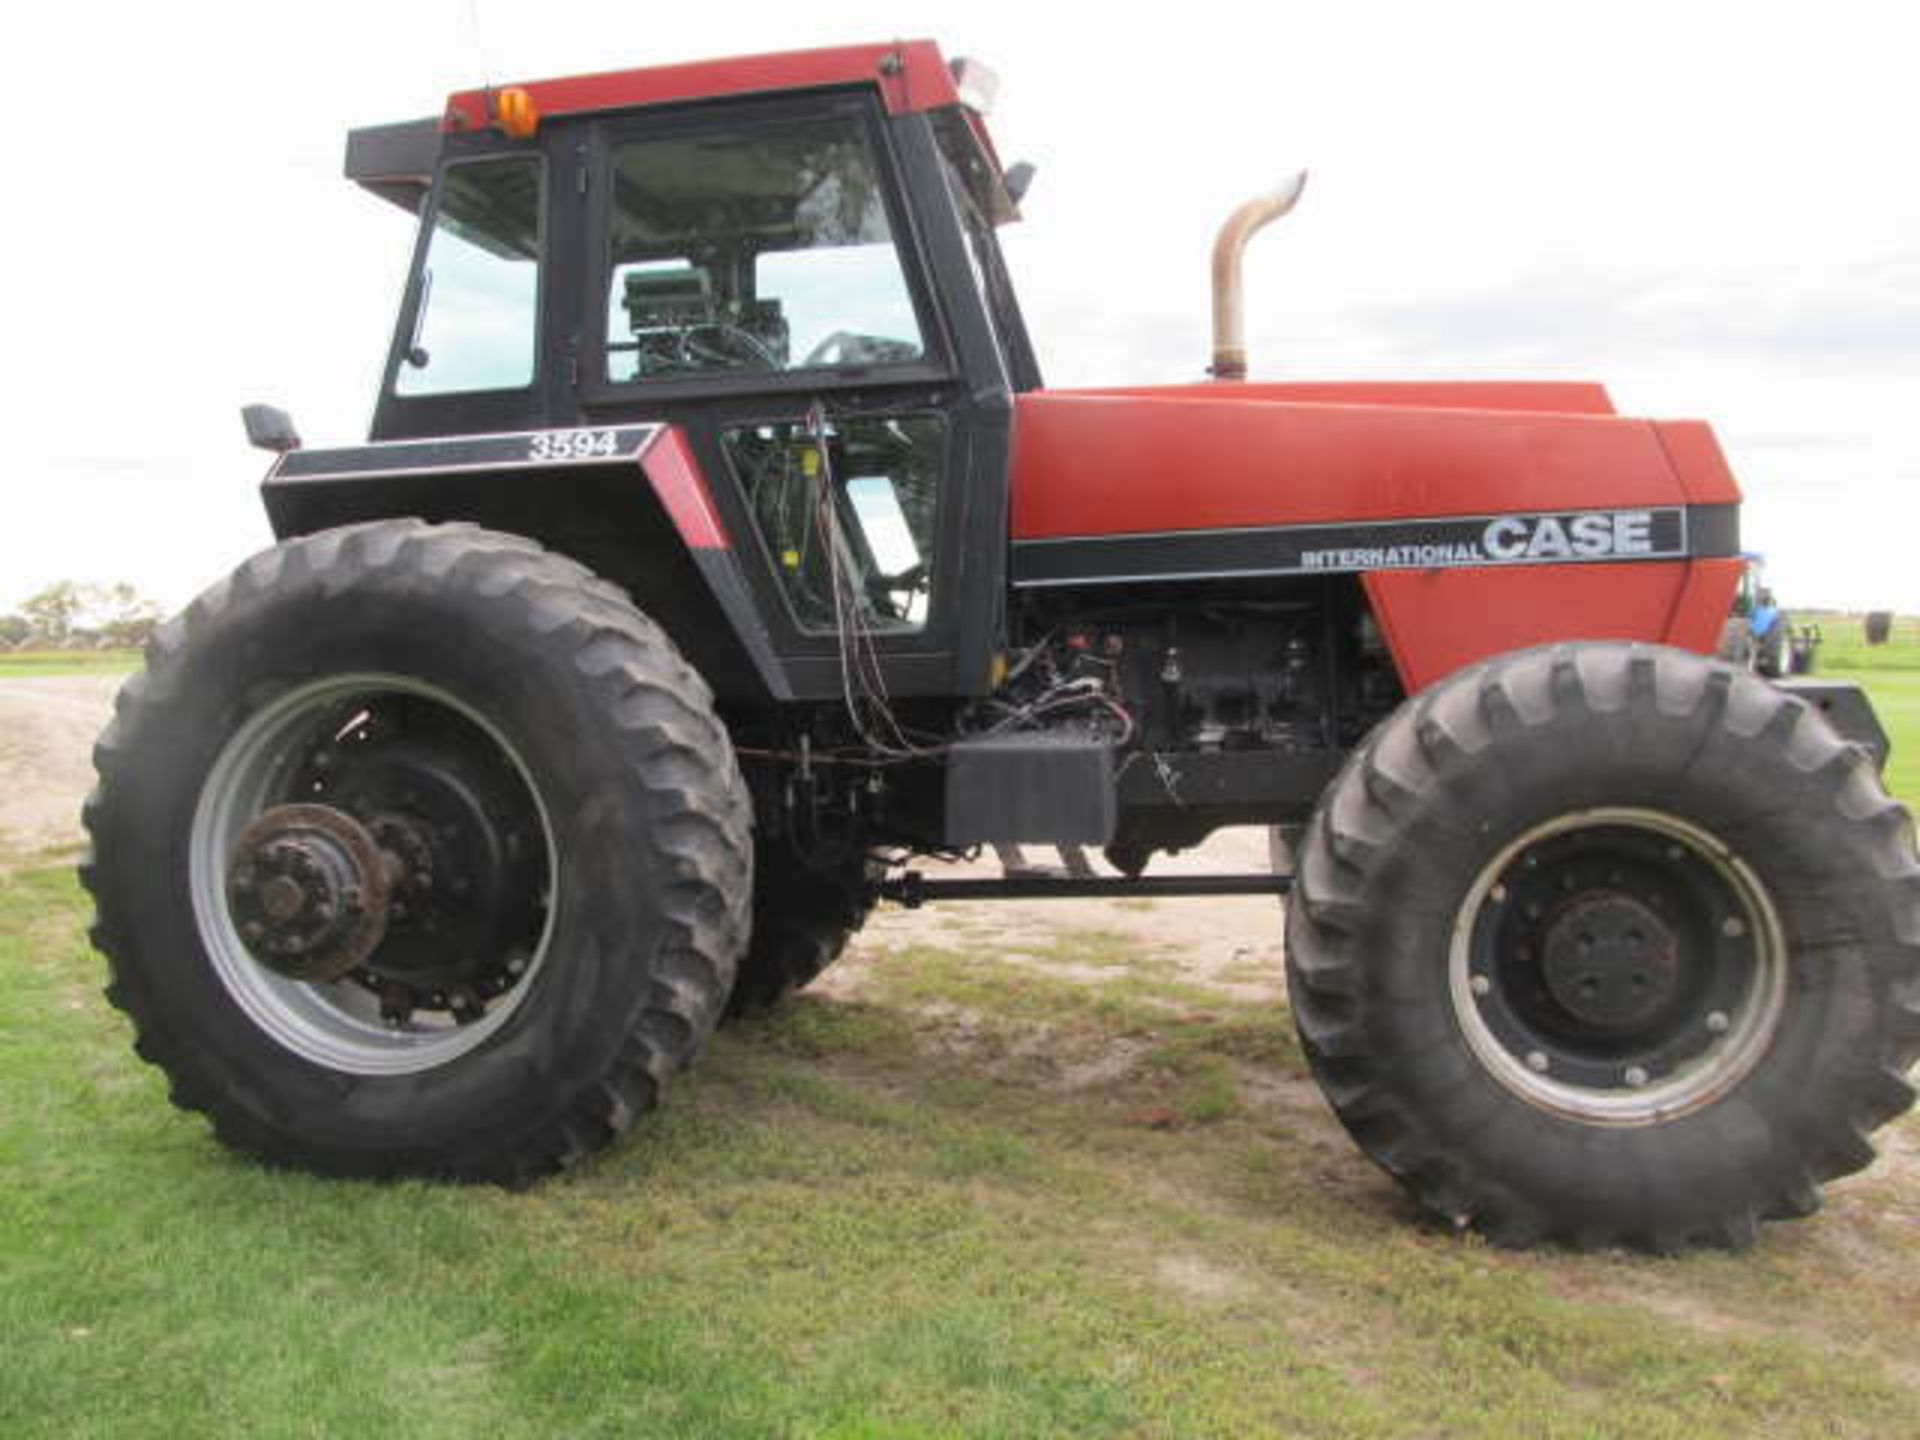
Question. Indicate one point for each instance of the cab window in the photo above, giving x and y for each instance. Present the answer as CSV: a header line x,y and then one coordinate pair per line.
x,y
847,512
477,312
751,249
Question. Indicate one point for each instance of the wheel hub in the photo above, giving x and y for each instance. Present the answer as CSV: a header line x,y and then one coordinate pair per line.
x,y
307,887
1611,961
461,862
1619,966
382,785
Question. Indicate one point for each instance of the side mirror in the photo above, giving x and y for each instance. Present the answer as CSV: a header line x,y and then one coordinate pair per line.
x,y
269,428
1018,177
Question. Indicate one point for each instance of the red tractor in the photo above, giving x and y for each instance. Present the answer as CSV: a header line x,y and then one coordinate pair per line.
x,y
717,549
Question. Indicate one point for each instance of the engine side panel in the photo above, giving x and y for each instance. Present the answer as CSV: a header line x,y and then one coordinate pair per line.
x,y
1437,621
1475,530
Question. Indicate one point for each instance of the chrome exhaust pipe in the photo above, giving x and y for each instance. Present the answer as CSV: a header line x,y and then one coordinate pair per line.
x,y
1229,319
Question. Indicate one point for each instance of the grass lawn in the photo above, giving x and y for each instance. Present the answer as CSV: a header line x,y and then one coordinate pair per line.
x,y
920,1208
1843,643
17,663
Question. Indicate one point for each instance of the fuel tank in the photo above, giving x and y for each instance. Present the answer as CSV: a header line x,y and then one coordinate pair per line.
x,y
1480,516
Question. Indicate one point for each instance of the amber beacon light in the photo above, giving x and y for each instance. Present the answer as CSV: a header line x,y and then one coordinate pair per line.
x,y
515,113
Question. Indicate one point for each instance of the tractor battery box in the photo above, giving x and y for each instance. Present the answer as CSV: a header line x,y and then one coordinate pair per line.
x,y
1045,788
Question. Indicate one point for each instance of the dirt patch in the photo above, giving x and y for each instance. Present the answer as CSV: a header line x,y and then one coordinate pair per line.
x,y
1050,1058
1198,1278
47,729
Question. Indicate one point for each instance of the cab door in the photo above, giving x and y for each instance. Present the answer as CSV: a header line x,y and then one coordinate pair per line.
x,y
790,282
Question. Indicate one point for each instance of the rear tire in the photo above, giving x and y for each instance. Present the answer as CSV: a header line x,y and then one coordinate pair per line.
x,y
1609,945
1773,652
802,919
566,839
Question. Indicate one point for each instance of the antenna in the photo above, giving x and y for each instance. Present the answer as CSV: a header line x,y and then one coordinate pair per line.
x,y
479,46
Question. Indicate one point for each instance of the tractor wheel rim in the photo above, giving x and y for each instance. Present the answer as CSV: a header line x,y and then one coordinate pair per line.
x,y
1618,966
339,1024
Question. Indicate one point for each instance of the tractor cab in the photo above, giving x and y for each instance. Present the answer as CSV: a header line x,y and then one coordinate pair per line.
x,y
788,260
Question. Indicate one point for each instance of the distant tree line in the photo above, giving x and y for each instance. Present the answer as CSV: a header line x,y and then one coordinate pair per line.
x,y
71,615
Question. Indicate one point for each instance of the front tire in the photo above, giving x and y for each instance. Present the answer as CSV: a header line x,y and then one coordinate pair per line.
x,y
1609,945
417,850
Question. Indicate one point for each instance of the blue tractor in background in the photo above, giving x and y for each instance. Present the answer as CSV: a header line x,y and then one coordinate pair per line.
x,y
1760,635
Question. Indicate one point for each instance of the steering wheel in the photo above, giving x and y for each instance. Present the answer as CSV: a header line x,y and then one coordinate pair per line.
x,y
850,347
737,343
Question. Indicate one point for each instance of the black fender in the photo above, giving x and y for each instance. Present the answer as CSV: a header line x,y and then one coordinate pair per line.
x,y
628,501
1848,710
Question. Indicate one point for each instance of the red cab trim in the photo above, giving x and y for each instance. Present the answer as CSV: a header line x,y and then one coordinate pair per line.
x,y
911,75
677,479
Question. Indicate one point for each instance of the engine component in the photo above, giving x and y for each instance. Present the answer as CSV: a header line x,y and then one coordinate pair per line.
x,y
1049,787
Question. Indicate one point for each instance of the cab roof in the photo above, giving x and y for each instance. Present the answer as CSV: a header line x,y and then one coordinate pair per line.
x,y
911,75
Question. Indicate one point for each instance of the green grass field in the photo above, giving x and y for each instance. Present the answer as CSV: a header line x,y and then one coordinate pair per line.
x,y
1843,644
19,663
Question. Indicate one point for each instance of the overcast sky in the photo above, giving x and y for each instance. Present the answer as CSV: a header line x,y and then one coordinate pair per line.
x,y
1712,208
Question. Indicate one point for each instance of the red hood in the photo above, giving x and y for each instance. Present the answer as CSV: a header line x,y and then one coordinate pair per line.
x,y
1152,459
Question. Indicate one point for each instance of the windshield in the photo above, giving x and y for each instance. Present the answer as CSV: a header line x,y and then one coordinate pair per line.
x,y
973,180
754,248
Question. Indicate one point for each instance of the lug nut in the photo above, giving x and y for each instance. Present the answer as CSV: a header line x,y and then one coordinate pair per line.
x,y
1635,1076
1733,927
1497,894
1537,1062
1480,985
1717,1022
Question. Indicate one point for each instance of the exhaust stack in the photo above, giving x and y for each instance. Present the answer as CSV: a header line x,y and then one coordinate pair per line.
x,y
1229,320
